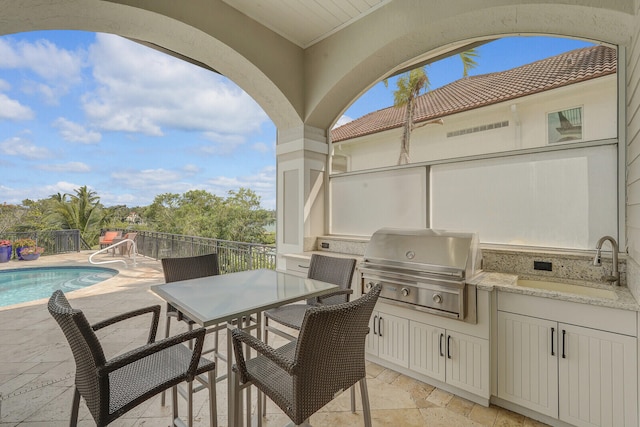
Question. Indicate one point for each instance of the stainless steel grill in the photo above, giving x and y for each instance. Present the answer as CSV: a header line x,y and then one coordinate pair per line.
x,y
424,269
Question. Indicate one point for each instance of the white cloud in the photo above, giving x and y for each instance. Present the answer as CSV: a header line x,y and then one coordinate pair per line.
x,y
141,90
261,147
343,120
17,195
65,167
263,183
21,147
61,68
150,182
11,109
74,132
191,169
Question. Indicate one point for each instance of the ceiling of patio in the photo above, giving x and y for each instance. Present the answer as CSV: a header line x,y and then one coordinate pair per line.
x,y
305,22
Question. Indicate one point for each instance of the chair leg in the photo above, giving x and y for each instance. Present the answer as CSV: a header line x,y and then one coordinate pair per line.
x,y
190,403
174,404
353,399
213,414
366,408
74,407
233,383
166,335
263,396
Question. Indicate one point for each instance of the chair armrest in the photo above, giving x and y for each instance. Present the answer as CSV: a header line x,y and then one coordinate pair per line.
x,y
155,309
239,337
149,349
323,298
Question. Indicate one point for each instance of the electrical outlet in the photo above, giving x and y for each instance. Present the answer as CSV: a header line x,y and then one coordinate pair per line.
x,y
542,265
324,245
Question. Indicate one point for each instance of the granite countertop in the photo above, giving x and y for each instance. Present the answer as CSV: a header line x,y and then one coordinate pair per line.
x,y
490,281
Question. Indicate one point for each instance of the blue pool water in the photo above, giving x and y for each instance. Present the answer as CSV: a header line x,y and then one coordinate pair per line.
x,y
28,284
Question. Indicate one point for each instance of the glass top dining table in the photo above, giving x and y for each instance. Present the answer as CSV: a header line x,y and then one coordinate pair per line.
x,y
215,299
230,298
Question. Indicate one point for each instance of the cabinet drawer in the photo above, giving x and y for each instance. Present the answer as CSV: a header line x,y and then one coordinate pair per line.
x,y
591,316
297,265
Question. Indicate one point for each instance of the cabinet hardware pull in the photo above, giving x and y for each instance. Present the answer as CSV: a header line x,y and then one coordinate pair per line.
x,y
380,326
553,330
303,266
375,320
564,356
440,345
448,346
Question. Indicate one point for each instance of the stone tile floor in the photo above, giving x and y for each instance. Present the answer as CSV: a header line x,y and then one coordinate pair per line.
x,y
37,368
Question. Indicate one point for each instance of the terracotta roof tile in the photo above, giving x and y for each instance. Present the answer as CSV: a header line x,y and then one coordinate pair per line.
x,y
487,89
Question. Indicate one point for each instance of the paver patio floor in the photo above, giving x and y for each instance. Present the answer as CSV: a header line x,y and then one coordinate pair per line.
x,y
37,368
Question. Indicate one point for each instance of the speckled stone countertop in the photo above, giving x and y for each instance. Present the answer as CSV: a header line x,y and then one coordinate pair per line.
x,y
490,281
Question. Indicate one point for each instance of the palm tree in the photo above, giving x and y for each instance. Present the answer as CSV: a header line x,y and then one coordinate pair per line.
x,y
81,211
409,87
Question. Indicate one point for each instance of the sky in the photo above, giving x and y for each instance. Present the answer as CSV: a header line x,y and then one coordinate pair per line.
x,y
130,123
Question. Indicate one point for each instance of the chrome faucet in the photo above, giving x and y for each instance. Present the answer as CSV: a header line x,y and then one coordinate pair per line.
x,y
614,279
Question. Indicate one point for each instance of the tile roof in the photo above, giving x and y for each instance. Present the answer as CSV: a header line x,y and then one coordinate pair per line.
x,y
487,89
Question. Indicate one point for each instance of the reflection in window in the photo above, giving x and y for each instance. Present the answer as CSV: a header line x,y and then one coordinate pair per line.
x,y
565,125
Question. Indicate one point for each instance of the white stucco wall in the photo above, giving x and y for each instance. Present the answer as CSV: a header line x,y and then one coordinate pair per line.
x,y
598,97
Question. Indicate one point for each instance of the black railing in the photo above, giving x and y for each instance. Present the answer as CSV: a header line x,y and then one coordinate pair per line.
x,y
53,241
233,256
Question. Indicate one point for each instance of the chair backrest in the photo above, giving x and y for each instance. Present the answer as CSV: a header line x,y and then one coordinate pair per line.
x,y
190,267
87,352
330,353
338,271
131,236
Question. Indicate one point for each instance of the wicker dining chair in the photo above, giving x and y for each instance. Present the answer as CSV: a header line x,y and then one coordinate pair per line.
x,y
338,271
304,375
185,268
112,387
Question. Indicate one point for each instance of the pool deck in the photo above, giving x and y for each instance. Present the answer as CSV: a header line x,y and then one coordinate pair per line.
x,y
37,368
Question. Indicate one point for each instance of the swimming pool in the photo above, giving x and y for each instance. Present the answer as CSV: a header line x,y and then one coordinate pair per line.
x,y
28,284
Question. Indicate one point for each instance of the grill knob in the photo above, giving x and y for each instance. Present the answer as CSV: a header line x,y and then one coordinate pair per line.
x,y
404,292
437,298
368,285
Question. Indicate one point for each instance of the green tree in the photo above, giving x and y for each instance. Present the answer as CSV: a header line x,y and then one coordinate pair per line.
x,y
409,87
81,211
239,217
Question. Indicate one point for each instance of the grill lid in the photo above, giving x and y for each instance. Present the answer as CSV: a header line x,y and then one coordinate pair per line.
x,y
425,250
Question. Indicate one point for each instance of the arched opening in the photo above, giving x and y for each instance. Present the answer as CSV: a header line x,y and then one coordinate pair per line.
x,y
130,122
523,139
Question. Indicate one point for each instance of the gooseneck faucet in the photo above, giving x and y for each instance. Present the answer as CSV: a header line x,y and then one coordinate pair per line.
x,y
597,261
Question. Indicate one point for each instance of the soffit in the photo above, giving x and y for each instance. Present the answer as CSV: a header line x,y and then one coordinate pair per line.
x,y
306,22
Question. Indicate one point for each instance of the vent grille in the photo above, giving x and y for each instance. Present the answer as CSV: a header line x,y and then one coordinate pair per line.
x,y
475,129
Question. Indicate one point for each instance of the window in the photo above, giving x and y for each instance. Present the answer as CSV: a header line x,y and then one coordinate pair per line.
x,y
564,125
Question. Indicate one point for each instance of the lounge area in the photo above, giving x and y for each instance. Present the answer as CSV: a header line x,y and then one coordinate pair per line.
x,y
37,370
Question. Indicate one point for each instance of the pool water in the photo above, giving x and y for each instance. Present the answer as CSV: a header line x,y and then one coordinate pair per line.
x,y
29,284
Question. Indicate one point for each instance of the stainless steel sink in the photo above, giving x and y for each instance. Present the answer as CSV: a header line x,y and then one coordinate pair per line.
x,y
567,288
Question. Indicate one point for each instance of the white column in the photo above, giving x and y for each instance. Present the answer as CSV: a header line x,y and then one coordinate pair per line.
x,y
301,165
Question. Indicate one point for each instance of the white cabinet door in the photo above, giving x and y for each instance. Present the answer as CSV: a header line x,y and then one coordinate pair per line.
x,y
467,363
528,363
393,334
427,347
372,337
598,377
